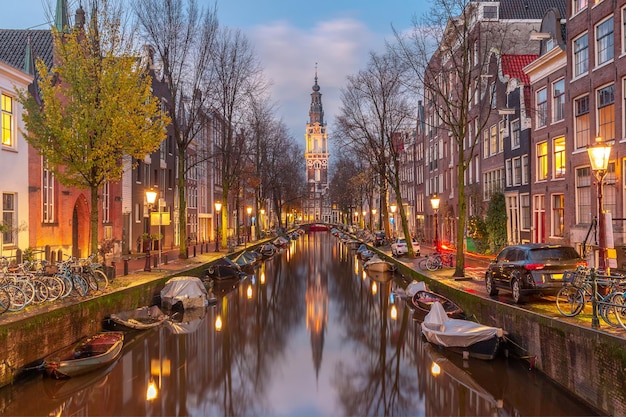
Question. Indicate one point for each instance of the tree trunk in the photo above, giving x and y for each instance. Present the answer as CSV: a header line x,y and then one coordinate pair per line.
x,y
460,227
182,205
93,220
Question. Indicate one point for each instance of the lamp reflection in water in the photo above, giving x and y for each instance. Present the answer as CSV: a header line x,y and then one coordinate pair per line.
x,y
374,288
435,369
249,292
152,392
159,368
394,312
218,323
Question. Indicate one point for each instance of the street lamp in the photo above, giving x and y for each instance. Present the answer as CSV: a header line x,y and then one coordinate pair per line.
x,y
218,209
262,221
393,212
599,158
249,211
151,196
434,202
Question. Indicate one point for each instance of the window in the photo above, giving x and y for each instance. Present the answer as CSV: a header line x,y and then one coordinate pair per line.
x,y
525,169
558,100
542,161
501,132
7,121
609,190
493,139
509,172
542,107
515,134
525,207
8,218
493,181
490,12
106,196
559,157
579,5
624,30
581,122
517,171
583,195
485,143
47,195
558,215
604,41
606,113
581,55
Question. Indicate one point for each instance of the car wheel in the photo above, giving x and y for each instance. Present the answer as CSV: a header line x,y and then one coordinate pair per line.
x,y
490,285
516,290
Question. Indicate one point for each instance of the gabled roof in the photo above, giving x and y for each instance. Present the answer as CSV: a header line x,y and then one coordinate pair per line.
x,y
528,9
13,44
512,65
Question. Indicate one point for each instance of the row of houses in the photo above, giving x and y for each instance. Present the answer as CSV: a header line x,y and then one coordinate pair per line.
x,y
41,214
538,102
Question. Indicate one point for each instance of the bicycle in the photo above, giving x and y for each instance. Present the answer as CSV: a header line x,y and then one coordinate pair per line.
x,y
436,261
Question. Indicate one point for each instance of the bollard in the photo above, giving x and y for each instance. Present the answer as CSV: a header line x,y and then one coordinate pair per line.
x,y
155,262
194,251
165,258
125,266
147,267
201,248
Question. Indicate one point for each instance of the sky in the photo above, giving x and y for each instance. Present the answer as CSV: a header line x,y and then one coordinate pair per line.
x,y
291,38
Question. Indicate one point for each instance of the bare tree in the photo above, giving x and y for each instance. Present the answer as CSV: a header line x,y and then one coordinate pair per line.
x,y
184,36
375,108
449,53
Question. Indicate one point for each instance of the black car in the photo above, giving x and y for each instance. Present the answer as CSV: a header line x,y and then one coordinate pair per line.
x,y
533,268
380,239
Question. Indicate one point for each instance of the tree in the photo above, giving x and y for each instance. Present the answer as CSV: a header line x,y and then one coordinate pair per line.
x,y
375,108
183,36
447,53
95,107
496,222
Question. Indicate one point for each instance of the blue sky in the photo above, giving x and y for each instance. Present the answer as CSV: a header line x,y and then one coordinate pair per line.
x,y
290,37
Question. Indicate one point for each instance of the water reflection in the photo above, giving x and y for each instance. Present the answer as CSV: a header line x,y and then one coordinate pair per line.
x,y
308,334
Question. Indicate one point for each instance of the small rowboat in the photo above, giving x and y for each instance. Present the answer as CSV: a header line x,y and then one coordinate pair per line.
x,y
378,265
424,299
87,355
142,318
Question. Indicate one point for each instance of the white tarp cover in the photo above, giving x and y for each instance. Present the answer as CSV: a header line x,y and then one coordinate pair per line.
x,y
189,290
441,330
414,287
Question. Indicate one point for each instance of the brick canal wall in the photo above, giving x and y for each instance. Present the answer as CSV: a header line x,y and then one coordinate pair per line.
x,y
590,364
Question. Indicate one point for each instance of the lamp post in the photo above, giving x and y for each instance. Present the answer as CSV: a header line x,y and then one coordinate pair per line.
x,y
599,155
434,202
218,209
373,219
249,211
150,199
262,221
393,212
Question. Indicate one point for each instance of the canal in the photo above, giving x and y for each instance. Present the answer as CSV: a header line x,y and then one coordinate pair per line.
x,y
308,335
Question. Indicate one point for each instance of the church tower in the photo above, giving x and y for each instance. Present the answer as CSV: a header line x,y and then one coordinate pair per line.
x,y
316,156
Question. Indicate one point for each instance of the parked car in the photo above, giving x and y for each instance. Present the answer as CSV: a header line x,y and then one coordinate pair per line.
x,y
533,268
399,247
380,239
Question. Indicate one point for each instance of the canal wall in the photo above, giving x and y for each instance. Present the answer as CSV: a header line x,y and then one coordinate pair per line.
x,y
590,364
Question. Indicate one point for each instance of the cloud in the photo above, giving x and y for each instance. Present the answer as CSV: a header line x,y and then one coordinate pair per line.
x,y
340,47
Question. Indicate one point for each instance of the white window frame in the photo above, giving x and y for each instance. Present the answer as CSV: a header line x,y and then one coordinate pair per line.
x,y
558,100
580,61
541,119
604,44
7,117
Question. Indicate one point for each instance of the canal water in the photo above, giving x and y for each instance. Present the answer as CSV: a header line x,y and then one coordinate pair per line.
x,y
310,334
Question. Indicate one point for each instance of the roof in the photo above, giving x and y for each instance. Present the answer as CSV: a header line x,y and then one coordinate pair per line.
x,y
512,65
13,44
528,9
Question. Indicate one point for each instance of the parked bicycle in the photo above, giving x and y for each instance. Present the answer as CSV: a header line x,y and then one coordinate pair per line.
x,y
436,261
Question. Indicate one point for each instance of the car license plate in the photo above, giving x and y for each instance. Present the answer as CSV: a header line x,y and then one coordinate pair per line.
x,y
557,276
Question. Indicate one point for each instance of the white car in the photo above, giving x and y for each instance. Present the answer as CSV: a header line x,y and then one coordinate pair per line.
x,y
399,247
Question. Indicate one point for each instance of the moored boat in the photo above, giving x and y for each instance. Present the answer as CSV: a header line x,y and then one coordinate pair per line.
x,y
184,292
377,264
85,356
142,318
423,300
461,336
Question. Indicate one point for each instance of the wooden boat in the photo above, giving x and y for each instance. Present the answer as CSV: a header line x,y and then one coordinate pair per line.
x,y
424,299
183,292
87,355
224,268
248,260
267,250
142,318
318,227
377,264
364,253
466,337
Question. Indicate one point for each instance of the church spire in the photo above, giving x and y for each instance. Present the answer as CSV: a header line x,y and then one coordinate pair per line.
x,y
316,112
61,18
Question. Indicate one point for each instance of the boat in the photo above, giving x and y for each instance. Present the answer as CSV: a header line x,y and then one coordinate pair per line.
x,y
352,243
408,292
87,355
471,339
364,253
424,299
142,318
183,292
319,227
66,387
280,242
248,260
267,250
375,263
381,276
224,268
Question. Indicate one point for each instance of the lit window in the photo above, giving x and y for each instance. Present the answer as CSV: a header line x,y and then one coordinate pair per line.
x,y
606,113
559,158
558,215
106,203
581,55
8,218
582,122
604,41
47,195
542,107
7,121
542,161
493,140
558,100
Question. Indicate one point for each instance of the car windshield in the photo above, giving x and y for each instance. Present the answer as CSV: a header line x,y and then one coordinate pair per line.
x,y
547,254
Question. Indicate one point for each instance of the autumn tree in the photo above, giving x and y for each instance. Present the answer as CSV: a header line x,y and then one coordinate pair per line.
x,y
183,36
93,107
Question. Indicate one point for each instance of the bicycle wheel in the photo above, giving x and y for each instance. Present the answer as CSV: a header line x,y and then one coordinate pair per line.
x,y
422,264
55,287
80,287
433,263
618,313
5,300
18,298
27,287
570,301
89,277
41,291
101,277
